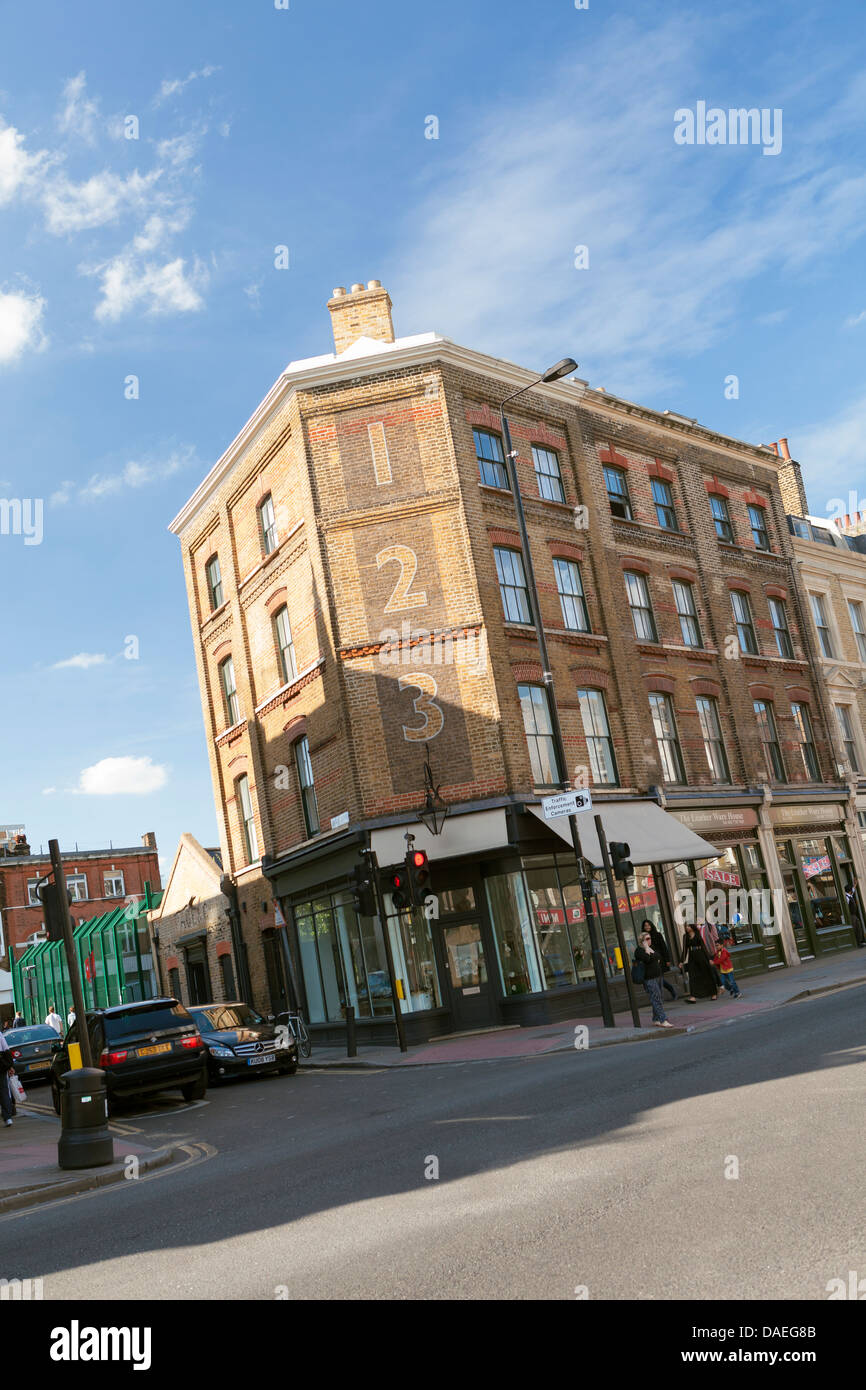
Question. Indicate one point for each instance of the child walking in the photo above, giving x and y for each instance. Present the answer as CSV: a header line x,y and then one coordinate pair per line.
x,y
725,966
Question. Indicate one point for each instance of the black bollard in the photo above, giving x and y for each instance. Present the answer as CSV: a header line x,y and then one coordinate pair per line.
x,y
85,1141
351,1044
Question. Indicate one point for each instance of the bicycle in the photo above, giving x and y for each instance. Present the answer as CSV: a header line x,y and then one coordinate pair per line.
x,y
299,1032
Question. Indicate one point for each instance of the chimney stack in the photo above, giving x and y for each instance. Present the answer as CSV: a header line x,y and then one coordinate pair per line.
x,y
148,839
362,313
791,482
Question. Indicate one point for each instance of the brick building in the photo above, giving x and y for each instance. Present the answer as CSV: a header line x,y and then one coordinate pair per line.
x,y
358,595
193,931
96,879
831,557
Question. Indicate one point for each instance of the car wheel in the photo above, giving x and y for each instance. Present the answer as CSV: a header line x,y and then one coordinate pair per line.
x,y
55,1097
196,1089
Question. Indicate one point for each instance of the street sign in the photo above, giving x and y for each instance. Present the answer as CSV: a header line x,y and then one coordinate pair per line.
x,y
565,804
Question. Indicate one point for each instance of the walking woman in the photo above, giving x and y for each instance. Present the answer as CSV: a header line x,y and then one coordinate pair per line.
x,y
661,946
652,964
701,977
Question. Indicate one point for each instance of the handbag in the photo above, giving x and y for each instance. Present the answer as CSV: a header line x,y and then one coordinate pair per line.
x,y
19,1095
638,972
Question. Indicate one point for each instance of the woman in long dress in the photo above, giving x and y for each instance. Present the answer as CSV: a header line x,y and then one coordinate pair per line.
x,y
702,981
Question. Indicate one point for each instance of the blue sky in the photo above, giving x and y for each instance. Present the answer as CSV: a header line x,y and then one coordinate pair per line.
x,y
257,127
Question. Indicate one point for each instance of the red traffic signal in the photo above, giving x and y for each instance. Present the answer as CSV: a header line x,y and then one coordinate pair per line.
x,y
397,889
418,874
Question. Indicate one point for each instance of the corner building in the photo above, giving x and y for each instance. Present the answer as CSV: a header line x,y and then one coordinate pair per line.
x,y
359,603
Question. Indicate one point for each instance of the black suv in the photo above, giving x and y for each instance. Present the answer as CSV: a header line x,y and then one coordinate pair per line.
x,y
153,1045
240,1042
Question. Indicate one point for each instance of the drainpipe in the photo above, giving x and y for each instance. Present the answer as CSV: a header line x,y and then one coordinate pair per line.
x,y
228,888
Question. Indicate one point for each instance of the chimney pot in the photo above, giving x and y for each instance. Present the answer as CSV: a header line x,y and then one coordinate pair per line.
x,y
340,290
365,313
775,449
783,443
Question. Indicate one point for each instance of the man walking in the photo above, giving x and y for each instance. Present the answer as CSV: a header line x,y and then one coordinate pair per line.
x,y
53,1019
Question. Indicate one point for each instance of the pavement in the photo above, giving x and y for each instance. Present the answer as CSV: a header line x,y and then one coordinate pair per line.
x,y
722,1166
29,1172
759,993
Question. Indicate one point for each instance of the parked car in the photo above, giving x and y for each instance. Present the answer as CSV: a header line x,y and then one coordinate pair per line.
x,y
240,1042
32,1049
152,1045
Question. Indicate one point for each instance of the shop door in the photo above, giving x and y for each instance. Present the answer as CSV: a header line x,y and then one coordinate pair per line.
x,y
197,977
471,994
276,975
799,915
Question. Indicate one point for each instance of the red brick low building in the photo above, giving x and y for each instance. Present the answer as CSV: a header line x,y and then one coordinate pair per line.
x,y
96,879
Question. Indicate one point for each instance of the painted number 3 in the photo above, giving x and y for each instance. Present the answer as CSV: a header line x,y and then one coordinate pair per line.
x,y
423,704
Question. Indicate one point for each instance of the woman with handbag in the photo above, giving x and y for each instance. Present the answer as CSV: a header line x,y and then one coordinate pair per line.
x,y
7,1105
659,944
698,966
647,970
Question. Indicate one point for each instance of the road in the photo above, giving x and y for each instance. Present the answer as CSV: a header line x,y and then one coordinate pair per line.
x,y
599,1174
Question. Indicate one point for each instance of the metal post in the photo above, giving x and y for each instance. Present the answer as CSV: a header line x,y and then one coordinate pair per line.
x,y
611,888
372,860
71,961
598,960
351,1043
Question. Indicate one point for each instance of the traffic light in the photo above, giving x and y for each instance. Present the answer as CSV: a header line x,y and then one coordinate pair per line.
x,y
363,891
396,884
47,894
418,875
620,860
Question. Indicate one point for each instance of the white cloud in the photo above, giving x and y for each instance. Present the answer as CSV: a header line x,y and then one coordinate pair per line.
x,y
128,281
79,113
17,167
97,201
82,661
775,316
49,791
122,777
134,474
172,87
854,320
20,324
832,453
491,243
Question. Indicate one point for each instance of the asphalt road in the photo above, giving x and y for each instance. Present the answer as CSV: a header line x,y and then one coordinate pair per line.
x,y
601,1170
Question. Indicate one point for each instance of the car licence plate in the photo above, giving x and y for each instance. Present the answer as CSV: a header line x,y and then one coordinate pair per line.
x,y
36,1066
151,1051
255,1061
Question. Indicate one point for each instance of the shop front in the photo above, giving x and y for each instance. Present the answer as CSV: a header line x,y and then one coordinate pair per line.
x,y
734,893
818,869
503,937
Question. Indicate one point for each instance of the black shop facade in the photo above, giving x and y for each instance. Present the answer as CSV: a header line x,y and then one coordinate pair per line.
x,y
503,939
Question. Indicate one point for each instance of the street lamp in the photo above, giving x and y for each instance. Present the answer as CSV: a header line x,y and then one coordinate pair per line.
x,y
435,809
554,373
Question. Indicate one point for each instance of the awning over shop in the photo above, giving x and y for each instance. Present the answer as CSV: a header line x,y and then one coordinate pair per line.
x,y
473,833
655,836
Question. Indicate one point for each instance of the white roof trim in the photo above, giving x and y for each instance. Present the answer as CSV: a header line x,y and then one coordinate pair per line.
x,y
419,350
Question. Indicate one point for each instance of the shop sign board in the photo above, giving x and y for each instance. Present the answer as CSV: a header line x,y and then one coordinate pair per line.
x,y
822,813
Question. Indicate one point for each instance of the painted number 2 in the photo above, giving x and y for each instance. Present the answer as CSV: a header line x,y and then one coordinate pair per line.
x,y
423,704
402,597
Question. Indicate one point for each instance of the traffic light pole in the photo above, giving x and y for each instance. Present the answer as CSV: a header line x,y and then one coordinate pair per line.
x,y
598,959
372,860
62,901
611,888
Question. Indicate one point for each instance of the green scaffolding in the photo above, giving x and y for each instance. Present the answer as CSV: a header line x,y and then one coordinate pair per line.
x,y
114,958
